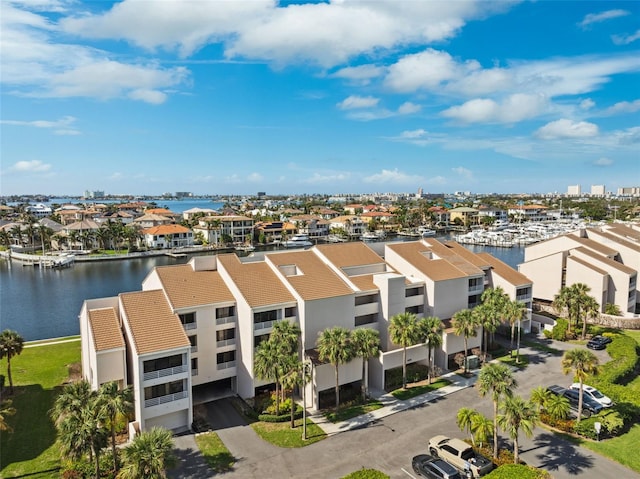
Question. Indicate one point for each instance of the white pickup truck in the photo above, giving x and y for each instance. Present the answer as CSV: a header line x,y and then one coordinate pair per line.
x,y
460,455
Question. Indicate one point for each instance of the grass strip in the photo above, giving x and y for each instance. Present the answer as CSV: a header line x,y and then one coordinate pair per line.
x,y
215,453
411,392
344,413
280,433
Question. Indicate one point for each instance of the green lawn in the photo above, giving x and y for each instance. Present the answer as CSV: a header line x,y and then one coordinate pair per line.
x,y
37,375
215,452
622,449
344,413
414,391
280,433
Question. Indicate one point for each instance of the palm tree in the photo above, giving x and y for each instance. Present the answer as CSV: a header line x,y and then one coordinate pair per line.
x,y
496,379
6,410
465,324
517,415
267,365
366,345
292,378
464,420
582,363
334,345
11,344
591,309
491,310
149,455
540,396
286,336
557,407
431,331
404,332
513,313
563,300
482,428
72,398
114,402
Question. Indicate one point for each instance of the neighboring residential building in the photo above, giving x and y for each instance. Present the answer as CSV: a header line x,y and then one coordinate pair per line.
x,y
352,225
524,213
467,216
193,329
167,236
311,225
150,220
39,210
606,259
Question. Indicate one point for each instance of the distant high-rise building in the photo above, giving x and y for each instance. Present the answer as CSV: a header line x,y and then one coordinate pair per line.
x,y
93,194
183,194
574,190
629,191
598,190
420,193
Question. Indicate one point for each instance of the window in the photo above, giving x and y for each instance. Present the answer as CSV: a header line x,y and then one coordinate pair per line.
x,y
165,389
368,299
188,320
163,363
258,339
225,334
194,366
475,283
265,316
419,309
366,319
226,357
414,292
290,312
225,312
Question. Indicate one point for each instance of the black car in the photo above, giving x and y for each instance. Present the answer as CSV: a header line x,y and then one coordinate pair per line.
x,y
428,466
598,342
589,406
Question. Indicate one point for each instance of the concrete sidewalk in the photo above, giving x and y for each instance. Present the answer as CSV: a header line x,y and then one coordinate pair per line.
x,y
393,405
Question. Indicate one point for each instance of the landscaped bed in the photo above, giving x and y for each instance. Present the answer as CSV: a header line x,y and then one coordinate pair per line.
x,y
417,389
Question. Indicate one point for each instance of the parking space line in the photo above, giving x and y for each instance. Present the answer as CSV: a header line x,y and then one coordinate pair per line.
x,y
407,473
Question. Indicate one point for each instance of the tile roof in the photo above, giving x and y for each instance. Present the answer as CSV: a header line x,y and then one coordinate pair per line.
x,y
154,327
467,254
309,275
594,245
625,231
344,255
257,282
417,253
460,261
505,271
609,262
586,264
188,288
165,230
105,329
614,238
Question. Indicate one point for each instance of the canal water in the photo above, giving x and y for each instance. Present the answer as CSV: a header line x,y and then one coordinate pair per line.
x,y
45,303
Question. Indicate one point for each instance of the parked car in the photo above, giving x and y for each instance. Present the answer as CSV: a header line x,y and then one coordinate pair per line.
x,y
598,342
593,393
460,455
425,465
589,406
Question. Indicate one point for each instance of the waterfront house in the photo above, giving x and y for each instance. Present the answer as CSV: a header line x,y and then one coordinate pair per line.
x,y
167,236
149,220
191,333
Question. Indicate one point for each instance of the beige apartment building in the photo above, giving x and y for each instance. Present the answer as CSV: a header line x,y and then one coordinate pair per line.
x,y
605,258
191,332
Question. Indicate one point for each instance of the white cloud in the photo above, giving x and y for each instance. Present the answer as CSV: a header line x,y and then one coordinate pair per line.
x,y
327,178
602,16
63,126
355,101
565,128
623,107
426,70
603,162
255,178
515,108
436,180
149,96
587,104
361,75
626,39
392,177
464,172
408,108
33,166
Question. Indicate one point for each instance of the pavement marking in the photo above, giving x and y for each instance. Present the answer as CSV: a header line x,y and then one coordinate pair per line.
x,y
407,473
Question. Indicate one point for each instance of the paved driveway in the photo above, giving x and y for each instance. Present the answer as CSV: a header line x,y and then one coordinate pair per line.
x,y
390,443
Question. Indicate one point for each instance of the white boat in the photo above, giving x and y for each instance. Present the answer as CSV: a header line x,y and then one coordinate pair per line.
x,y
369,236
336,239
297,241
426,232
500,225
245,247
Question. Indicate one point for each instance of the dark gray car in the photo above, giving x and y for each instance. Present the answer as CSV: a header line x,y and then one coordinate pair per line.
x,y
428,466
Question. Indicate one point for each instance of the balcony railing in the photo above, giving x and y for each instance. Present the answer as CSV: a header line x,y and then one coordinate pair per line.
x,y
162,373
194,372
165,399
264,325
226,342
523,297
476,289
189,326
228,319
194,349
227,365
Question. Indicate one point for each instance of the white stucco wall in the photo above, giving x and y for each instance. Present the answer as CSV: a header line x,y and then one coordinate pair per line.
x,y
546,275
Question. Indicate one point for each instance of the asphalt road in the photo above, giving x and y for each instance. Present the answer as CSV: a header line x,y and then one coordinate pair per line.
x,y
389,444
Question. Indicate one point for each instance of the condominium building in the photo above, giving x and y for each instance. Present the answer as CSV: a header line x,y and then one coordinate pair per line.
x,y
606,259
193,329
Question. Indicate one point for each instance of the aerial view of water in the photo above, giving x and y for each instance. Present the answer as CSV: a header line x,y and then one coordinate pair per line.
x,y
45,303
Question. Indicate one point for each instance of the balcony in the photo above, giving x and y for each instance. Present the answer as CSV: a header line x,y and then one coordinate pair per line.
x,y
477,289
226,342
194,372
264,325
227,320
189,326
194,349
162,373
165,399
524,297
227,365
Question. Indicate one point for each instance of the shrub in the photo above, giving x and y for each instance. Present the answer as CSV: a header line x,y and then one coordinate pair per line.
x,y
282,417
565,425
559,331
366,474
415,373
518,471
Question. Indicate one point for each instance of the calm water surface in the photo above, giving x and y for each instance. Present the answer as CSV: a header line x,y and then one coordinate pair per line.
x,y
45,303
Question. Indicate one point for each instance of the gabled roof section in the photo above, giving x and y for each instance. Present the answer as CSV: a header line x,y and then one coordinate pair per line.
x,y
628,243
256,281
105,329
609,262
473,258
154,327
594,245
419,255
505,271
165,230
345,255
309,275
624,231
185,287
460,261
587,265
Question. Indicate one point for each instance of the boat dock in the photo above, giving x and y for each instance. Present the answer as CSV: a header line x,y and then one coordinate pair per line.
x,y
64,260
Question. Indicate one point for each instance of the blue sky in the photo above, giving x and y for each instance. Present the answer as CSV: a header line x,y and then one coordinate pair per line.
x,y
224,97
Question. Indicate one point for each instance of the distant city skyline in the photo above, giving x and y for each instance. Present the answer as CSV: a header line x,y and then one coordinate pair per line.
x,y
220,98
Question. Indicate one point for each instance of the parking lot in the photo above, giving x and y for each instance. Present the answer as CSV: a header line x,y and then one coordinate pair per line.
x,y
389,444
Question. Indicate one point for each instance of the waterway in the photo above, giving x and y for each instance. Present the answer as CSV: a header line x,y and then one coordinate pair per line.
x,y
45,303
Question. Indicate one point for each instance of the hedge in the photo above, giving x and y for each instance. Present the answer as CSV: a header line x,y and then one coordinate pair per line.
x,y
517,471
280,418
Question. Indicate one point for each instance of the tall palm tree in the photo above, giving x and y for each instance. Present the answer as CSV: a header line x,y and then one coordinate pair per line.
x,y
267,365
366,345
517,415
6,410
582,363
491,311
482,428
286,336
514,312
72,398
431,331
590,309
464,420
114,402
557,407
540,396
293,377
334,345
404,332
149,455
497,380
11,344
465,324
563,301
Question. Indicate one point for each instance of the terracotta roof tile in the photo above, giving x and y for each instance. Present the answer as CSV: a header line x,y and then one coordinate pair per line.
x,y
460,261
257,283
188,288
105,329
418,254
154,327
505,271
165,230
609,262
344,255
